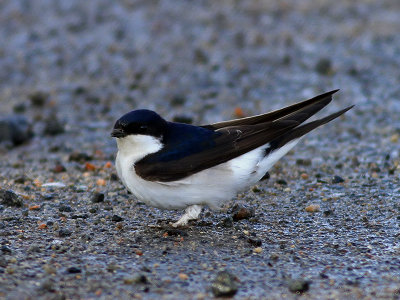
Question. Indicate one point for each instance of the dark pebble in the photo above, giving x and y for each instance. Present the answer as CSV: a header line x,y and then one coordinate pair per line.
x,y
114,177
65,208
116,218
38,98
178,100
242,213
328,212
298,285
74,270
15,129
64,233
324,66
254,242
9,198
59,168
97,198
337,179
303,162
21,179
224,284
5,249
176,232
83,216
226,222
141,279
53,127
281,182
79,157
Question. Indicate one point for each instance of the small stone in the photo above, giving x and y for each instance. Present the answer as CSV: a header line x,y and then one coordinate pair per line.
x,y
242,213
298,286
304,176
64,233
113,177
337,179
54,185
183,276
226,222
38,98
5,249
97,198
324,66
303,162
59,168
257,250
254,241
178,100
9,198
15,129
313,208
395,138
116,218
224,284
74,270
79,157
53,127
65,208
281,182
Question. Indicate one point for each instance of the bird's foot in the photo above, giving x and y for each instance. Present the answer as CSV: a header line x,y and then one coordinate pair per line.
x,y
191,213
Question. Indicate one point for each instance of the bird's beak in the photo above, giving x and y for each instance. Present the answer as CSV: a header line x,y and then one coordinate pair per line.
x,y
118,133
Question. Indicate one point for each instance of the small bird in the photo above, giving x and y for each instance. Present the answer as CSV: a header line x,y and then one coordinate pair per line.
x,y
172,165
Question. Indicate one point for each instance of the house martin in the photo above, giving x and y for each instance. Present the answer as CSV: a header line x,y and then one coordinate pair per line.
x,y
172,165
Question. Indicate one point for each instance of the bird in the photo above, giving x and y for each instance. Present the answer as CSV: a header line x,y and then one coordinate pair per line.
x,y
172,165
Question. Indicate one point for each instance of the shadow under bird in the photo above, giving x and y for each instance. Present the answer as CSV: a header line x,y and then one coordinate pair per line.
x,y
179,166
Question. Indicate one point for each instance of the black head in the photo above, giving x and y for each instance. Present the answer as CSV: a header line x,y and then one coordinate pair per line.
x,y
141,121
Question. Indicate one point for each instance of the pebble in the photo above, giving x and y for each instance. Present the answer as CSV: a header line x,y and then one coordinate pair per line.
x,y
79,157
298,285
15,129
54,185
97,198
116,218
59,168
226,222
257,250
324,66
65,208
337,179
241,213
74,270
53,127
9,198
313,208
5,249
224,285
64,233
254,241
38,98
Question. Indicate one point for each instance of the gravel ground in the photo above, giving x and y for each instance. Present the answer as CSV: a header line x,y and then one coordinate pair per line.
x,y
324,226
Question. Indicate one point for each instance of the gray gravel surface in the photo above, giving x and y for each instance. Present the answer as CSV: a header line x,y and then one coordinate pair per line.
x,y
324,226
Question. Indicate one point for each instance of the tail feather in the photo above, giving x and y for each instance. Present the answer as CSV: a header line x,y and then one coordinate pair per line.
x,y
299,131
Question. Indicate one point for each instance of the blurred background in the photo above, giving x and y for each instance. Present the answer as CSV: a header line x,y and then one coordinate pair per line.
x,y
196,59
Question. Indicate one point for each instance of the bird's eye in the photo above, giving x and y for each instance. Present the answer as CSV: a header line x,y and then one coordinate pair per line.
x,y
143,127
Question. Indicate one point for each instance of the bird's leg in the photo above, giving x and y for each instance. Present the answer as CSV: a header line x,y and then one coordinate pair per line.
x,y
191,213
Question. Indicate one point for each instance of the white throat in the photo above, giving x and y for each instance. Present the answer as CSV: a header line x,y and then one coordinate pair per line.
x,y
138,146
